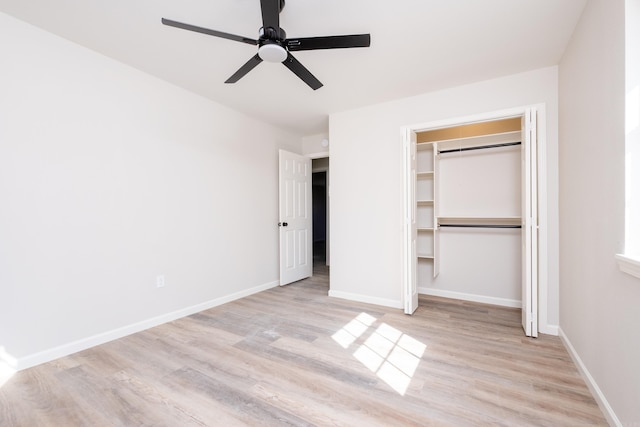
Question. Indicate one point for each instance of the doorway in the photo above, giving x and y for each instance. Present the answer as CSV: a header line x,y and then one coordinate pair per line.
x,y
319,202
320,211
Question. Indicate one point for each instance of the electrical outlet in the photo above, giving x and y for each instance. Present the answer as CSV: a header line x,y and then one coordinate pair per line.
x,y
160,281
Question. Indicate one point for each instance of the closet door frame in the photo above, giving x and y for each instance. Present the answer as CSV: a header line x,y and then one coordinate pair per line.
x,y
540,266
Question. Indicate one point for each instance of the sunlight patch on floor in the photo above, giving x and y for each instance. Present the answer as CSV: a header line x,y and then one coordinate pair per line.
x,y
392,355
6,373
352,330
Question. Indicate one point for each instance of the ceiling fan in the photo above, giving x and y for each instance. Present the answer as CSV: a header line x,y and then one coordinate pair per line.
x,y
274,46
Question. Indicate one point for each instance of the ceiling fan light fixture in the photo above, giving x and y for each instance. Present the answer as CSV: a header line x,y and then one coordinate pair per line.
x,y
272,52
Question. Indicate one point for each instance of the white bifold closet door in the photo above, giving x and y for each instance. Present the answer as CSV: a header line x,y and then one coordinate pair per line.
x,y
528,214
410,227
529,223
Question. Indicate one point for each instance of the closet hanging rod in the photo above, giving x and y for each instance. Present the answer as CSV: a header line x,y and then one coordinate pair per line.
x,y
482,225
480,147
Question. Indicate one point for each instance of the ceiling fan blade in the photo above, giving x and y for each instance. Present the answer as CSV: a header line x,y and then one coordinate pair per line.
x,y
248,66
270,14
300,71
207,31
329,42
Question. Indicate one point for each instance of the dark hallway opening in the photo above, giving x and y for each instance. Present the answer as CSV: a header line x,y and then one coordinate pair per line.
x,y
319,194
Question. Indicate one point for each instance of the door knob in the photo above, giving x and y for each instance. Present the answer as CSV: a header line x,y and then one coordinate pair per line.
x,y
282,224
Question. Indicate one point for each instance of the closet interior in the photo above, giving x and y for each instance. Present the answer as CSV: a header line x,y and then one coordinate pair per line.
x,y
468,203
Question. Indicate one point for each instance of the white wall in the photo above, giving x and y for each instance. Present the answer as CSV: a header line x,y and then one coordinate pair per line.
x,y
366,177
312,145
600,315
108,178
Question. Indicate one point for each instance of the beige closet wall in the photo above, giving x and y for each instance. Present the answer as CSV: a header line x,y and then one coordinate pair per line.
x,y
475,263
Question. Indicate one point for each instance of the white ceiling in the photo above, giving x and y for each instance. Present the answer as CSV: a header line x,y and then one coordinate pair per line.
x,y
417,46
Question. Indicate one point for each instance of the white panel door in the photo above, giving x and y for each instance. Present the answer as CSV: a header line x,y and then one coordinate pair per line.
x,y
410,225
296,257
529,224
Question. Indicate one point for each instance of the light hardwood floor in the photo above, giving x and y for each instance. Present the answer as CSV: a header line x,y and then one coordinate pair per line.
x,y
293,356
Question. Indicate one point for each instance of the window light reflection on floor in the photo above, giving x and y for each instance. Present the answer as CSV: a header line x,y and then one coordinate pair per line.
x,y
5,373
392,355
352,330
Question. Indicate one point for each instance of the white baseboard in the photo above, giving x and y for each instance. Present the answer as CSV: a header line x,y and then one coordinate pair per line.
x,y
606,409
366,299
471,297
543,329
92,341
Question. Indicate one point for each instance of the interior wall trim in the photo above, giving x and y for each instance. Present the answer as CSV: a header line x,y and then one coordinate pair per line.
x,y
628,265
82,344
504,302
367,299
604,405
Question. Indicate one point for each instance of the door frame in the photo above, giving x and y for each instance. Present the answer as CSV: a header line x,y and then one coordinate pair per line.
x,y
543,262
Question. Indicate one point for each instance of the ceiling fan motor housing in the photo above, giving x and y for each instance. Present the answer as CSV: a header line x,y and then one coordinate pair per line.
x,y
271,33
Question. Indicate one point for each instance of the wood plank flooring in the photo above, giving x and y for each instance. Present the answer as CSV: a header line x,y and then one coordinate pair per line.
x,y
293,356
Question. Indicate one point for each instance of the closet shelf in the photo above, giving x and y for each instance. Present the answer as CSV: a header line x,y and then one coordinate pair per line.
x,y
481,221
424,195
471,141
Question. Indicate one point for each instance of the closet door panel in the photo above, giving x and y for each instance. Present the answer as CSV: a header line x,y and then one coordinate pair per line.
x,y
529,224
436,210
410,285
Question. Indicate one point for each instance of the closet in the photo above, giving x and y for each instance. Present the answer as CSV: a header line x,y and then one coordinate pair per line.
x,y
468,187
